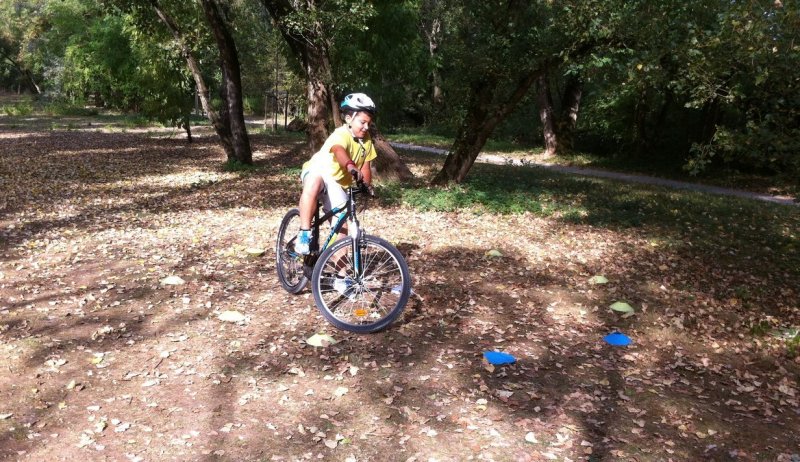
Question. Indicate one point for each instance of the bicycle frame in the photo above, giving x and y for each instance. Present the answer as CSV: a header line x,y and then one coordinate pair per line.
x,y
353,230
360,284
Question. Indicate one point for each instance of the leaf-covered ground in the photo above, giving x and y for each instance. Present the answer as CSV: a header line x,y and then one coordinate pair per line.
x,y
101,360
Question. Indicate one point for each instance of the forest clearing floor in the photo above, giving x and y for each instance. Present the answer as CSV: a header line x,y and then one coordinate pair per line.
x,y
104,358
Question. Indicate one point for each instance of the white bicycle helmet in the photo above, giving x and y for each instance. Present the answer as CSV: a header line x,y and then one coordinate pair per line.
x,y
358,102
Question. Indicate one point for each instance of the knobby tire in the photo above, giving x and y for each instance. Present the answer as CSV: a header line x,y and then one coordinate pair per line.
x,y
368,305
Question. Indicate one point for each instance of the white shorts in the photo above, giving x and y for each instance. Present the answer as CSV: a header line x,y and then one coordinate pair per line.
x,y
332,194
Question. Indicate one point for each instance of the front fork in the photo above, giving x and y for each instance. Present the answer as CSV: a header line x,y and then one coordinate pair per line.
x,y
354,231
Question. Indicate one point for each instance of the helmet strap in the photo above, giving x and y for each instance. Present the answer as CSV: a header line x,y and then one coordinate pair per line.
x,y
349,119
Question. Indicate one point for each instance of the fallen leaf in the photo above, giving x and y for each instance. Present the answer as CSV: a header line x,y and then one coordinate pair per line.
x,y
254,251
622,307
231,316
341,391
172,281
598,280
321,340
122,427
85,440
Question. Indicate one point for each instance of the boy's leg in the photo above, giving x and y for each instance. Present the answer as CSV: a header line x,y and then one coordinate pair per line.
x,y
336,197
312,185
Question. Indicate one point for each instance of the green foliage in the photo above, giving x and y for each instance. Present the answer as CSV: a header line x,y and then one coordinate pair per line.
x,y
733,229
233,165
17,19
62,108
386,59
20,109
99,62
489,191
792,337
706,83
164,84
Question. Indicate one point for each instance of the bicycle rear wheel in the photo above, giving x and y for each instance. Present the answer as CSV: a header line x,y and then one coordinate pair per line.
x,y
365,303
289,263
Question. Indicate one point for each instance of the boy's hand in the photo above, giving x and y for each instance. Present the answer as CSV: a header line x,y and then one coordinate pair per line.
x,y
356,175
367,189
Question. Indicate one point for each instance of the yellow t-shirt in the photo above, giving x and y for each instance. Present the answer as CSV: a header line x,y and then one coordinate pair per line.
x,y
326,161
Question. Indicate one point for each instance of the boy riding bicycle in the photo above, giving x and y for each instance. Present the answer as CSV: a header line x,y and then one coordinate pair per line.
x,y
344,159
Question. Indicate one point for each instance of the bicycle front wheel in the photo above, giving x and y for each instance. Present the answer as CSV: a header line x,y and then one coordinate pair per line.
x,y
289,263
361,301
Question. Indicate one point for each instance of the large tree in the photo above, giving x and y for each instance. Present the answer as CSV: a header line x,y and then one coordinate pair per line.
x,y
303,26
700,83
229,121
500,50
18,20
310,29
559,121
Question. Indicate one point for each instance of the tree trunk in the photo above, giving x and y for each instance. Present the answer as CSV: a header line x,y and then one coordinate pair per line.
x,y
641,111
661,117
223,131
711,112
32,85
388,164
231,82
311,49
568,121
318,98
186,122
547,115
483,116
432,28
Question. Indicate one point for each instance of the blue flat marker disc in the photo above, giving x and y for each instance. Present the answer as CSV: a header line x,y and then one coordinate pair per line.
x,y
498,358
617,339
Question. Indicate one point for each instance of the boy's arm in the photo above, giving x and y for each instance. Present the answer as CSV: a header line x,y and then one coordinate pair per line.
x,y
341,156
345,161
366,173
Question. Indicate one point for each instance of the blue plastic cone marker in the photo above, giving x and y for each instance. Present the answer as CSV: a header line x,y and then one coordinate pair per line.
x,y
617,339
498,358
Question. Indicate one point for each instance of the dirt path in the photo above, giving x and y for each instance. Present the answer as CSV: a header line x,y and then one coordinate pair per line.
x,y
501,160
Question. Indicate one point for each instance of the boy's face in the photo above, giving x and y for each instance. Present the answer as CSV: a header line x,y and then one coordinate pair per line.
x,y
359,123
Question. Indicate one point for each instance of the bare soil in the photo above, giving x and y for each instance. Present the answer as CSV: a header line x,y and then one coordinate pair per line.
x,y
101,360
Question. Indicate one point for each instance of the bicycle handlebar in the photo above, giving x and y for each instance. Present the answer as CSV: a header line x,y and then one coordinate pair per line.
x,y
363,188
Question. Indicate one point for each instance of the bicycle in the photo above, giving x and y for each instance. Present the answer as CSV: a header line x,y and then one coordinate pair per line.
x,y
360,283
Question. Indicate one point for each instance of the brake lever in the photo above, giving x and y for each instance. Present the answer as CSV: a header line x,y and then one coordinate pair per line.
x,y
364,188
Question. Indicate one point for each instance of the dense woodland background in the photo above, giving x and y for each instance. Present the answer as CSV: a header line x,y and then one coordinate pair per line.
x,y
702,86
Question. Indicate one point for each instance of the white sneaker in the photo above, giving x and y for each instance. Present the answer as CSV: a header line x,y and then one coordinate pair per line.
x,y
345,287
303,242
